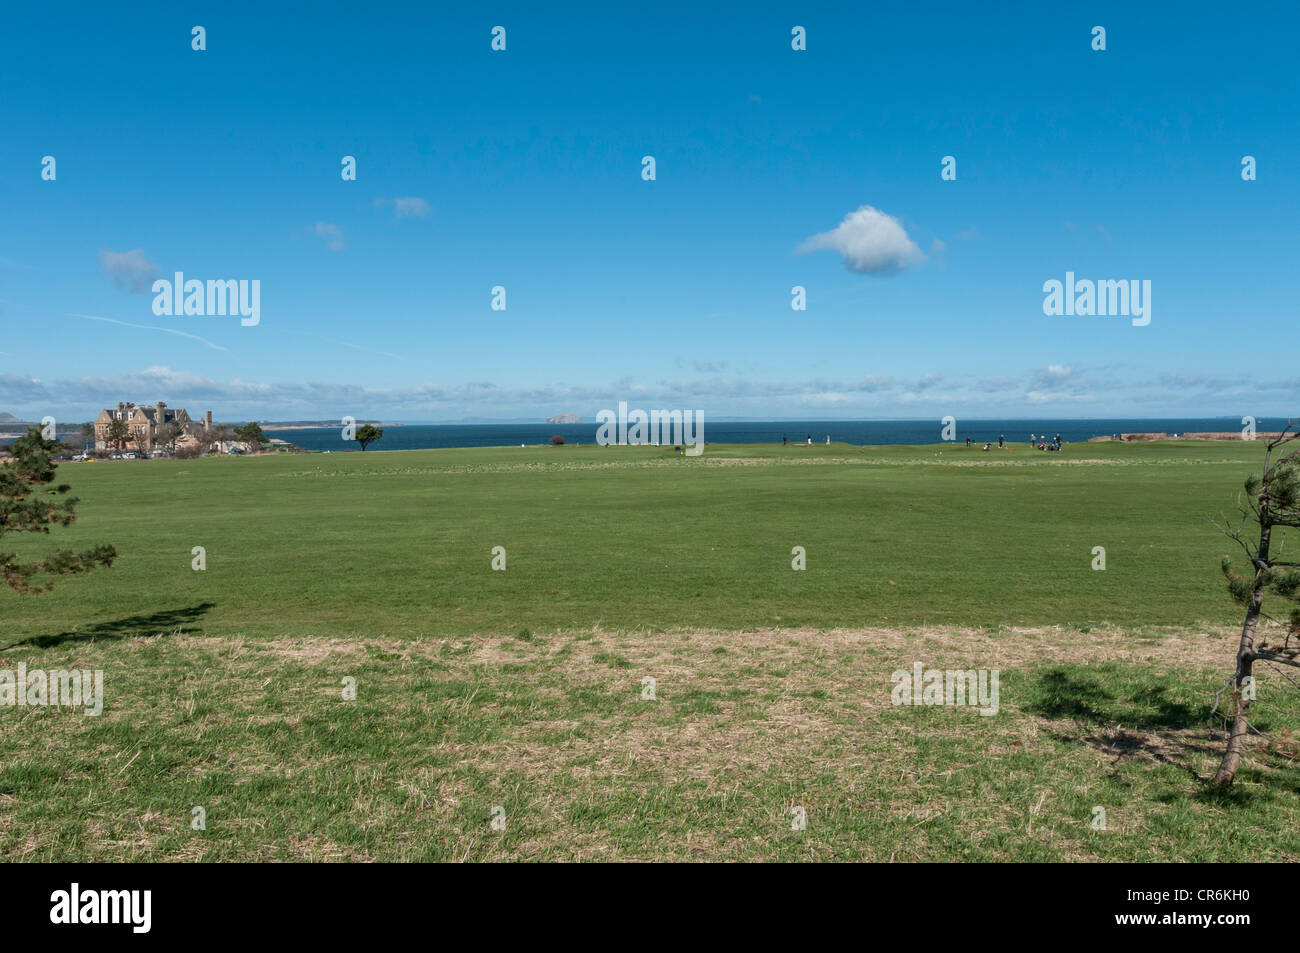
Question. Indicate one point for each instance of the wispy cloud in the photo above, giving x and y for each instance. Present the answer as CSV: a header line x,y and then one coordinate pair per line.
x,y
1057,397
347,344
871,241
704,367
129,270
409,206
332,234
149,327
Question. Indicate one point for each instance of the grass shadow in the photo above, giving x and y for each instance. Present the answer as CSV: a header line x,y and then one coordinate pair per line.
x,y
135,626
1128,713
1173,748
1110,696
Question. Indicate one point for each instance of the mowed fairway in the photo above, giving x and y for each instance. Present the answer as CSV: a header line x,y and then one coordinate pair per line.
x,y
399,544
523,688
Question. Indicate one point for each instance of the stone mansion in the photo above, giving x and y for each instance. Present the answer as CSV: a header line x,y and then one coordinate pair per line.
x,y
143,423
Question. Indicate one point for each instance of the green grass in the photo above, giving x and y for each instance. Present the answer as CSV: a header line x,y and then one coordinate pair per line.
x,y
399,543
523,689
443,731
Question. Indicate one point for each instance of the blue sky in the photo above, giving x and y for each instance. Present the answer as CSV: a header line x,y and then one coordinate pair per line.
x,y
526,164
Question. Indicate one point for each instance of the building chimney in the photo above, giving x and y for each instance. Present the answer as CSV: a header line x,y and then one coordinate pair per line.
x,y
159,411
207,420
120,406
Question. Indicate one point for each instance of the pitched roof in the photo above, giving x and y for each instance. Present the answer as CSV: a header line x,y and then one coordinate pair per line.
x,y
150,413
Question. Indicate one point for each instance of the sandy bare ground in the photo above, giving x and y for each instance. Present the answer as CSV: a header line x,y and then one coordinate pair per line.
x,y
1192,646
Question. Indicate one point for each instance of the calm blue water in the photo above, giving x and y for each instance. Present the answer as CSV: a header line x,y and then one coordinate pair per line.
x,y
860,432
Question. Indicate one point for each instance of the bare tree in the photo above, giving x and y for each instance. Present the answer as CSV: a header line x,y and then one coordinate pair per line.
x,y
1272,500
215,434
166,435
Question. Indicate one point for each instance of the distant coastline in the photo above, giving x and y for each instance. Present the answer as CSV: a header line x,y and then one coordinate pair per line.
x,y
318,424
328,435
1015,432
1211,435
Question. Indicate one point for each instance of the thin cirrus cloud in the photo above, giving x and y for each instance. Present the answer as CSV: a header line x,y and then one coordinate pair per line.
x,y
129,270
347,344
332,234
871,242
150,327
410,206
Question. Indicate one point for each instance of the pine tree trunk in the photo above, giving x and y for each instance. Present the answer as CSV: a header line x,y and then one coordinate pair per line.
x,y
1245,667
1240,721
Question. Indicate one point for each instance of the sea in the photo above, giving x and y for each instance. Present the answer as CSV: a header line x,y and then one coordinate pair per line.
x,y
859,432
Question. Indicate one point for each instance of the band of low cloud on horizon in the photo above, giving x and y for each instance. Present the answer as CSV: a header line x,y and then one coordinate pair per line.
x,y
924,395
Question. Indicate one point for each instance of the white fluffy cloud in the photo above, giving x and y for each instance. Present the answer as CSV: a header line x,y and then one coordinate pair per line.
x,y
130,270
872,243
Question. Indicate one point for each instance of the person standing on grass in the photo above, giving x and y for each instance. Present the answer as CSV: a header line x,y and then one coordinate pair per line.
x,y
783,440
810,440
1002,440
